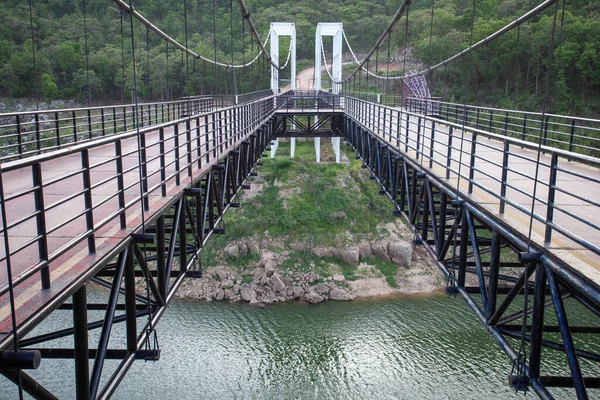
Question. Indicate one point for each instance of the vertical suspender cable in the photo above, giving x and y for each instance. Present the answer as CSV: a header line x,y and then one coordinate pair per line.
x,y
168,88
215,46
148,86
517,67
122,63
87,64
35,77
543,117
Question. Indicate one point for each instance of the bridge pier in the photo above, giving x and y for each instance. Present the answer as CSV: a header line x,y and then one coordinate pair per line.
x,y
318,150
274,147
292,147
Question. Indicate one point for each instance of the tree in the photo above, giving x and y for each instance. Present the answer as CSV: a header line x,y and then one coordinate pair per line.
x,y
49,88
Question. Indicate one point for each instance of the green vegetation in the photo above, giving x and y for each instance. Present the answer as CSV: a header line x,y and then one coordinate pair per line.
x,y
304,201
506,73
501,74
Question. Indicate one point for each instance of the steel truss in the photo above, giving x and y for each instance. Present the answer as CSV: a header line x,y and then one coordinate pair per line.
x,y
325,124
511,290
164,255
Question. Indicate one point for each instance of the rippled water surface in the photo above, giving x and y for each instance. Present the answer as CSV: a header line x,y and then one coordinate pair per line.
x,y
393,348
398,348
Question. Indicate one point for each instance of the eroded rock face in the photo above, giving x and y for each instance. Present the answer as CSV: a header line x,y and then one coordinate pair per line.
x,y
247,293
232,250
321,252
298,292
338,278
364,250
277,283
322,289
401,253
380,250
350,255
340,294
314,298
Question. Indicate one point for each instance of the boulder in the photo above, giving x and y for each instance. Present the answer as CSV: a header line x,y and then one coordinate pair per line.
x,y
298,292
364,250
339,278
298,246
314,298
340,294
243,249
277,283
380,250
401,253
237,288
232,250
350,255
247,293
270,267
220,295
322,289
227,284
253,247
229,294
321,252
221,273
257,273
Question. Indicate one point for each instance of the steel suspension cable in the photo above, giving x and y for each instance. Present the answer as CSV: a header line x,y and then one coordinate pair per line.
x,y
87,64
35,75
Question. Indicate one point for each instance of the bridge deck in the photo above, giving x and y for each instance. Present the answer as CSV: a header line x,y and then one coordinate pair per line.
x,y
577,184
63,184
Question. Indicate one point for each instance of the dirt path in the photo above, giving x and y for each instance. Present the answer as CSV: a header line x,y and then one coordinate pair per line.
x,y
304,80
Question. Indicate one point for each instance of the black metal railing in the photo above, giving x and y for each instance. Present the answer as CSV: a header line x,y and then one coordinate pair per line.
x,y
502,170
59,200
28,133
309,101
575,134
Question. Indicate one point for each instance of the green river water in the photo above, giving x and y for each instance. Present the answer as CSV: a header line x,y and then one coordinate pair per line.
x,y
423,347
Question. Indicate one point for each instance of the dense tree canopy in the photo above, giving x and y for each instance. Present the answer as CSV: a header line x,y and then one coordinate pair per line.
x,y
501,73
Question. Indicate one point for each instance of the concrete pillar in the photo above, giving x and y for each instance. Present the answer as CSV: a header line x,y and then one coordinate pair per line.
x,y
335,143
318,149
274,147
292,147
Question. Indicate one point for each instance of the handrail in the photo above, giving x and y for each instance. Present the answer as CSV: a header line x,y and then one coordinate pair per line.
x,y
576,134
172,152
562,209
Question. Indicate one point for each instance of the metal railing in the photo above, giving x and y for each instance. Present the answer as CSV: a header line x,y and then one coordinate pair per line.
x,y
63,199
501,168
28,133
390,99
575,134
309,101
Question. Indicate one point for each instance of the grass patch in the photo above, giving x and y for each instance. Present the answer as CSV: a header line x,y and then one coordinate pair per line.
x,y
389,270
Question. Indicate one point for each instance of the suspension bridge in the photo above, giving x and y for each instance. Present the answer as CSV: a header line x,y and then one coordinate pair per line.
x,y
505,201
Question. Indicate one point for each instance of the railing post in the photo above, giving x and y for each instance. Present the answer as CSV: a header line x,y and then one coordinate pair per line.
x,y
545,130
36,171
163,172
506,123
120,184
102,121
431,144
572,135
472,162
124,119
406,133
449,152
89,117
418,137
19,138
477,120
524,128
37,131
176,138
114,113
87,199
74,120
57,126
551,195
503,181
